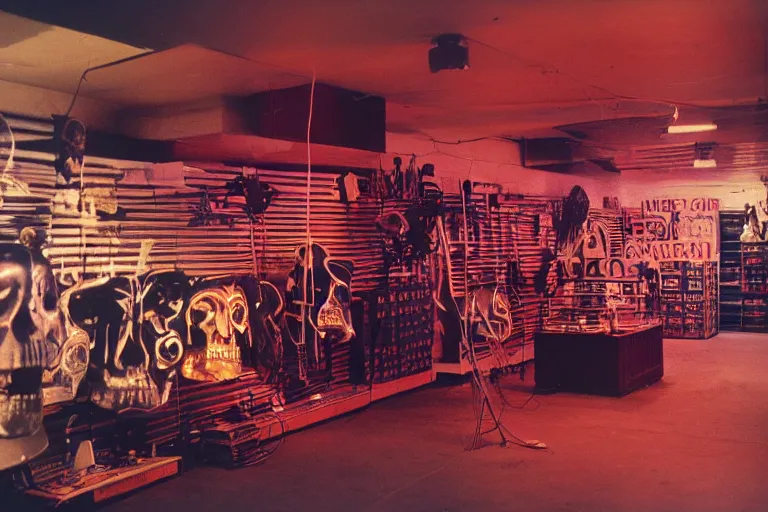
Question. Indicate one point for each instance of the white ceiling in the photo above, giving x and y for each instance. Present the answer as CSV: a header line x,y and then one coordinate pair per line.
x,y
534,63
183,75
51,57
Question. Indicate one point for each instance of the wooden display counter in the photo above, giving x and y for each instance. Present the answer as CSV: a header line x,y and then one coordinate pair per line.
x,y
98,487
603,364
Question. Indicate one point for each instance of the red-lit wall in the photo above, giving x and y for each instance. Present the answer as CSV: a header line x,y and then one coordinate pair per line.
x,y
493,161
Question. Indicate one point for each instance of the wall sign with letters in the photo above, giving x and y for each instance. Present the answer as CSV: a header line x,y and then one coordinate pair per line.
x,y
674,229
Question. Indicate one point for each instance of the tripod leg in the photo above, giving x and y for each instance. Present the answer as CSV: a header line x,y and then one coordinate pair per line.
x,y
486,405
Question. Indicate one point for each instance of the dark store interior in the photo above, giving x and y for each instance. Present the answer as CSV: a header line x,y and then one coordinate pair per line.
x,y
366,255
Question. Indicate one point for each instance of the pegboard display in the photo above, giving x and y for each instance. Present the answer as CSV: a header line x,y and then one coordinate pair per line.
x,y
404,332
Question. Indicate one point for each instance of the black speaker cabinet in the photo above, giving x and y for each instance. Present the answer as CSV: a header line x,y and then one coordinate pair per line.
x,y
340,117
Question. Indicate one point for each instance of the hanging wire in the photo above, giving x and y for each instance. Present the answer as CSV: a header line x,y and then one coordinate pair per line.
x,y
308,241
480,395
552,69
102,66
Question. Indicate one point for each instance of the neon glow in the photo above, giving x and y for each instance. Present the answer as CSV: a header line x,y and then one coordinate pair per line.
x,y
692,128
704,164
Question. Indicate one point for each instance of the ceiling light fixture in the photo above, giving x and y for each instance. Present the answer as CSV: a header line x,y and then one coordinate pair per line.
x,y
704,164
449,51
691,128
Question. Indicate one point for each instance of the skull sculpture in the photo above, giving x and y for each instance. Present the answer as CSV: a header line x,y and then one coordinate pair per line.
x,y
61,380
163,298
217,328
134,348
28,341
117,373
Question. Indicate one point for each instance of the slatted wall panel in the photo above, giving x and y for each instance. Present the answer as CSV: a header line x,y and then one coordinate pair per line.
x,y
530,245
614,222
454,230
347,231
28,206
496,236
103,232
88,242
27,187
137,213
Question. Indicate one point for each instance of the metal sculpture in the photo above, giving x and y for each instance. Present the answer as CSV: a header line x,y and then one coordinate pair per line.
x,y
319,293
132,324
29,336
217,328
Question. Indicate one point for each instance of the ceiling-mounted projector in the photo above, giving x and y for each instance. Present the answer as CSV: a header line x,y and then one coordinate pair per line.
x,y
449,51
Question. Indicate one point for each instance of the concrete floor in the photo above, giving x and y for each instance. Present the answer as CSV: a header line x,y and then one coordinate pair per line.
x,y
697,441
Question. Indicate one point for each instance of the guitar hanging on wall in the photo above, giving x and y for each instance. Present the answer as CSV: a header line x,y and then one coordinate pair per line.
x,y
326,306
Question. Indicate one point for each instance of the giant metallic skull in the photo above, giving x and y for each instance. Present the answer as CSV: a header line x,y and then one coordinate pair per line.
x,y
217,328
29,330
62,378
134,350
118,369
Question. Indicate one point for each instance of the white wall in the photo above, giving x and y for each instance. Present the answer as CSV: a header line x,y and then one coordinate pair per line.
x,y
493,161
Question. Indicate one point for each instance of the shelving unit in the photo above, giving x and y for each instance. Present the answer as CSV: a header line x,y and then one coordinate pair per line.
x,y
754,286
689,299
731,222
743,278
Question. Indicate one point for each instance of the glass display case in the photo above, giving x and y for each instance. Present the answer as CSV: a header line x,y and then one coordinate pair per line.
x,y
603,305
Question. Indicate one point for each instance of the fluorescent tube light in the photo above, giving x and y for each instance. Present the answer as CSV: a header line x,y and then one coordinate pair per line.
x,y
691,128
704,164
